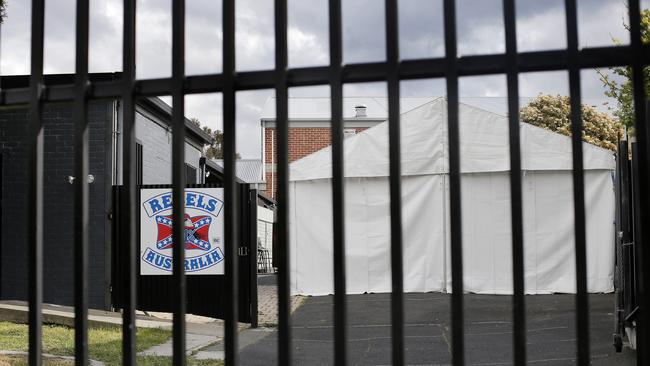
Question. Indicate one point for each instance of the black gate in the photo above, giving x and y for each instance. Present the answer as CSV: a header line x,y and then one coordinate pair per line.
x,y
629,242
205,293
450,67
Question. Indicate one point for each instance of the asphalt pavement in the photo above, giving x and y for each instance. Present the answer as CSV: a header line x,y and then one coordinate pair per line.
x,y
550,328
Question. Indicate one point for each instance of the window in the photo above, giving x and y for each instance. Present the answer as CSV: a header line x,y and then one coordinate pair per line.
x,y
349,132
190,174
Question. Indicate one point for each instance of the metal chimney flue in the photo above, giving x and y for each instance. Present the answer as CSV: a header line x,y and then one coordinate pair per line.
x,y
360,110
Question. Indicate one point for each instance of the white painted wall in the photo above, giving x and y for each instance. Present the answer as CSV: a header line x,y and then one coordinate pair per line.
x,y
156,139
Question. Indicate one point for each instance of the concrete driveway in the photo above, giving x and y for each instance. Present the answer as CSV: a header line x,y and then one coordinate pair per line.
x,y
488,327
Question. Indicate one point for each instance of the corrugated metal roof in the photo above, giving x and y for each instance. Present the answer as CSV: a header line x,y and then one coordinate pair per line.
x,y
248,170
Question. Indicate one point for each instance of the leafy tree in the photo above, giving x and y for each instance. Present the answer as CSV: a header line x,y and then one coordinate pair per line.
x,y
3,10
215,149
622,91
553,112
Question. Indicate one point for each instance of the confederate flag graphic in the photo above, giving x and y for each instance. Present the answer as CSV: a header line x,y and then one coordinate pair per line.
x,y
196,232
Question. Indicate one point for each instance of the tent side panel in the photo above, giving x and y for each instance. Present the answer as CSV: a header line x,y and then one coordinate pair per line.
x,y
311,242
367,235
487,233
424,231
549,235
548,232
600,209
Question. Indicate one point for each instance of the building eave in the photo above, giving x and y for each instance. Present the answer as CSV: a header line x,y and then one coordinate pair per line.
x,y
155,103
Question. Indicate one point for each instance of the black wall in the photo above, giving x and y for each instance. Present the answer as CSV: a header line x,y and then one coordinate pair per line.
x,y
58,264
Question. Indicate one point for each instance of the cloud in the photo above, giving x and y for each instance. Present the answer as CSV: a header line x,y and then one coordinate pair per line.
x,y
540,25
105,48
204,38
15,38
421,28
254,35
305,49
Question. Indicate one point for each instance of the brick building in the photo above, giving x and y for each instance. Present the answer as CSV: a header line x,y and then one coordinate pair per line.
x,y
153,157
309,126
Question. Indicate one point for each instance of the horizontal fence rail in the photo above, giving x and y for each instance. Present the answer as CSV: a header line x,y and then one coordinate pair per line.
x,y
82,88
553,60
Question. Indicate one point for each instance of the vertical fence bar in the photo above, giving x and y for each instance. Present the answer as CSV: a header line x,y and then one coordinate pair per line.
x,y
129,181
81,186
623,193
635,171
35,185
282,126
582,304
516,211
230,191
643,177
457,318
397,294
338,183
252,237
178,178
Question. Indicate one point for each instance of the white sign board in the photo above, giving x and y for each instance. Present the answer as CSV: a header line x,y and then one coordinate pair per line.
x,y
203,231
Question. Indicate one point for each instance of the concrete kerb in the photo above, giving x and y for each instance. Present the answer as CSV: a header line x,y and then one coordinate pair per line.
x,y
19,314
246,338
199,335
193,342
198,338
47,355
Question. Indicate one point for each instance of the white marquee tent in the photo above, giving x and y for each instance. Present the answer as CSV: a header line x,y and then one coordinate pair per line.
x,y
486,229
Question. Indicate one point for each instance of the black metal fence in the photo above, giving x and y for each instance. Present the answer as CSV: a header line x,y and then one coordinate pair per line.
x,y
451,67
625,269
629,242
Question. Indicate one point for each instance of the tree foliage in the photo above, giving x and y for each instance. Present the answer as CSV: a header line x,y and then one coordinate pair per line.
x,y
622,90
3,10
553,112
215,148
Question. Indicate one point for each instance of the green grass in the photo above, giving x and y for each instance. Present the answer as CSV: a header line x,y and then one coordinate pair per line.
x,y
104,344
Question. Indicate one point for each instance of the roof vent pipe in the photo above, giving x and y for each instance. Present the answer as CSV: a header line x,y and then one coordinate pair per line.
x,y
360,110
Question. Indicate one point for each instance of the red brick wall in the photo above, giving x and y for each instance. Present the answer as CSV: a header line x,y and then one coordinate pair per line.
x,y
302,142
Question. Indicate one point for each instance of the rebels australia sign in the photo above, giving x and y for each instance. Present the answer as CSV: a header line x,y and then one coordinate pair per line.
x,y
203,239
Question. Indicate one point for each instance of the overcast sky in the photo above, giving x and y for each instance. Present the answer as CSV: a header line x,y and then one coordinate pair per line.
x,y
540,25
